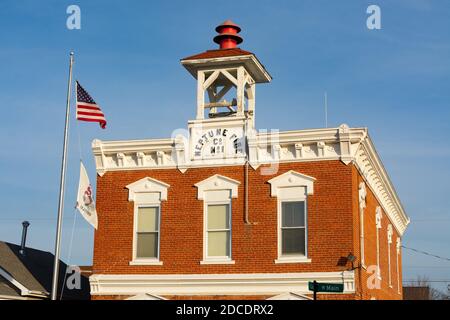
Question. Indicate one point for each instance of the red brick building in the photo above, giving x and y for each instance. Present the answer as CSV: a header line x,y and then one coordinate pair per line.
x,y
234,213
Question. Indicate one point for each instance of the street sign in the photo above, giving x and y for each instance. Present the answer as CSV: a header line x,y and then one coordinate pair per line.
x,y
326,287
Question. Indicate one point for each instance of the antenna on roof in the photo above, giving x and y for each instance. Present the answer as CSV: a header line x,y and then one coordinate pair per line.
x,y
326,109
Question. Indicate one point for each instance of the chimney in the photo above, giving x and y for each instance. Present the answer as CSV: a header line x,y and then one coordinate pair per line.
x,y
25,226
228,37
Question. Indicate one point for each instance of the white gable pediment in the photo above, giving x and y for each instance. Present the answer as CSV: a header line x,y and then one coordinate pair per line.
x,y
147,185
215,183
146,296
291,179
289,296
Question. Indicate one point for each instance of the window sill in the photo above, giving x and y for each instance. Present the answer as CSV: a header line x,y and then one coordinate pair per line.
x,y
151,262
217,262
292,260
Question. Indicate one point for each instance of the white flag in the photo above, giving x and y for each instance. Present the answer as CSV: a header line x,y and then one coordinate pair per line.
x,y
85,200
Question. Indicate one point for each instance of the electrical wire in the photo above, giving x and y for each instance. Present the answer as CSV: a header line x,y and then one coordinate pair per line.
x,y
426,253
434,281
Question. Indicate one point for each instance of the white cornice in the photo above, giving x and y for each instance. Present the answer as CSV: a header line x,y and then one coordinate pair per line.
x,y
216,284
252,64
349,145
372,170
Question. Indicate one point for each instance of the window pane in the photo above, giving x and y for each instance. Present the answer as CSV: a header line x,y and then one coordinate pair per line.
x,y
147,219
219,243
147,245
293,241
293,214
218,216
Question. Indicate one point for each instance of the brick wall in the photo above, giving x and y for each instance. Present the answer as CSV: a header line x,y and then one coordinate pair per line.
x,y
333,224
370,244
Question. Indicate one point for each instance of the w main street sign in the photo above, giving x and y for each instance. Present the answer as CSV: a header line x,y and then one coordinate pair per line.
x,y
325,287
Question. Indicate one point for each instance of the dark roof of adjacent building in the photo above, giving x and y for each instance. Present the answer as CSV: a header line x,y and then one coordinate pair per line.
x,y
416,293
33,270
7,289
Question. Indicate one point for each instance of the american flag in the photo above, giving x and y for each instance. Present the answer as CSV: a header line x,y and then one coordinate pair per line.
x,y
87,109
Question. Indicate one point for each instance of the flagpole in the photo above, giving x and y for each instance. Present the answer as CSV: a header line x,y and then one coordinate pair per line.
x,y
61,187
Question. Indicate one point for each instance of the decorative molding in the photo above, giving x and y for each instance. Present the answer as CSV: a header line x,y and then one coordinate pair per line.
x,y
250,62
145,262
320,149
378,226
291,179
389,233
362,194
294,259
298,150
215,183
120,159
140,156
389,238
378,217
290,296
349,145
276,152
160,156
145,186
216,284
222,261
146,296
372,170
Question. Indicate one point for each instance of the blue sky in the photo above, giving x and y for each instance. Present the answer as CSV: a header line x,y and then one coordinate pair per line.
x,y
395,81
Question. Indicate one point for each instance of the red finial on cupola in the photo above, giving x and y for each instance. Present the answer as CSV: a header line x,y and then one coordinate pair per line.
x,y
228,35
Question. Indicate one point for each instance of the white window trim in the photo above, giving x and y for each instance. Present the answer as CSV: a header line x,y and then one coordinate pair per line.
x,y
216,183
145,261
221,284
216,259
137,191
291,179
291,258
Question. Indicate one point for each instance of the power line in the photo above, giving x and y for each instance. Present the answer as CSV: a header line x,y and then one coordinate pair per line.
x,y
426,253
431,220
435,281
427,267
30,219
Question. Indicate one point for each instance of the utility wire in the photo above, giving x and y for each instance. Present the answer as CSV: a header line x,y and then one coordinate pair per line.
x,y
30,219
431,220
434,281
426,253
428,267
